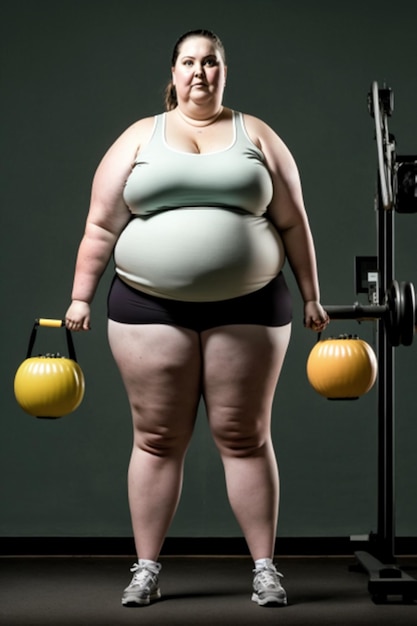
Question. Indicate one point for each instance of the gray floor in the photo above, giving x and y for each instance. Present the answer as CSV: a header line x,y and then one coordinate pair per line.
x,y
73,591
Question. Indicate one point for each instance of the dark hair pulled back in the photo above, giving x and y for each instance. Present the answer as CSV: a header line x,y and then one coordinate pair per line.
x,y
171,101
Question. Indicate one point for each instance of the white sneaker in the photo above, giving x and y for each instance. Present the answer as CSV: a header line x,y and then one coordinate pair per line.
x,y
267,588
144,586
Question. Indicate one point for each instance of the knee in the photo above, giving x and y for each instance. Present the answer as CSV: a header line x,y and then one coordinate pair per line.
x,y
240,442
157,446
162,444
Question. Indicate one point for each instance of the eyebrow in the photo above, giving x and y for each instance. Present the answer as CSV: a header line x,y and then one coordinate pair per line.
x,y
208,56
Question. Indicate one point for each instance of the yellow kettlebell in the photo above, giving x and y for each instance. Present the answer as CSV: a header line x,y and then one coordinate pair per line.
x,y
342,368
50,385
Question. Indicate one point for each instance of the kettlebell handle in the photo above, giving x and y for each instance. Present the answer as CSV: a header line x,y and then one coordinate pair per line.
x,y
51,323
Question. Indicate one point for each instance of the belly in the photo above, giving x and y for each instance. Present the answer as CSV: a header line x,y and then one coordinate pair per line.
x,y
199,254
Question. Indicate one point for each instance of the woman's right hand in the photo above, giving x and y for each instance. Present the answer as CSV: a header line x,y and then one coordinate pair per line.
x,y
78,316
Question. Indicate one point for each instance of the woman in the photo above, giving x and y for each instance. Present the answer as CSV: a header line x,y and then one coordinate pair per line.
x,y
199,306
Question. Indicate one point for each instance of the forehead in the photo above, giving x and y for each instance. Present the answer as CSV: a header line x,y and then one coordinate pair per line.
x,y
198,46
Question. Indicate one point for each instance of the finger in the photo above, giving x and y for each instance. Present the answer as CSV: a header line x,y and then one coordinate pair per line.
x,y
73,325
319,324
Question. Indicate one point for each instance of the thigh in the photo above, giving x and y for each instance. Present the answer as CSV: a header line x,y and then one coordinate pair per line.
x,y
160,366
242,364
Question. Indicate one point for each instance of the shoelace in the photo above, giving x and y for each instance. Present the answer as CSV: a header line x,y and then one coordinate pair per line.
x,y
142,574
269,577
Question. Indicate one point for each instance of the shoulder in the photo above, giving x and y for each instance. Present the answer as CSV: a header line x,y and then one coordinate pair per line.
x,y
261,133
118,160
136,135
277,154
122,152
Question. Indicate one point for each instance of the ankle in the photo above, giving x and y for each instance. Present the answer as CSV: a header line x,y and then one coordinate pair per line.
x,y
153,566
263,563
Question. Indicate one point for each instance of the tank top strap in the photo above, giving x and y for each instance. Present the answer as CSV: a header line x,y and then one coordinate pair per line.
x,y
243,141
159,128
239,127
158,133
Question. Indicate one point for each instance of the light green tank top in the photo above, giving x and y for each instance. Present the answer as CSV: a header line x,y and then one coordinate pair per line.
x,y
199,231
165,178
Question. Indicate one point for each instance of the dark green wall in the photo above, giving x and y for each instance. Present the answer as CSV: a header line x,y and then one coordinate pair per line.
x,y
74,75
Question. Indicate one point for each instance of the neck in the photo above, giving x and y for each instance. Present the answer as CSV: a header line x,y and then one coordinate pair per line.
x,y
197,121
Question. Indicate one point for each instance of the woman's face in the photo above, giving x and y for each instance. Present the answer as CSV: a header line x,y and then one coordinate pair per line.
x,y
199,73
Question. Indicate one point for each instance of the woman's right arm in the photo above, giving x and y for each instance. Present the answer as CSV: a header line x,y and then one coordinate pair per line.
x,y
107,217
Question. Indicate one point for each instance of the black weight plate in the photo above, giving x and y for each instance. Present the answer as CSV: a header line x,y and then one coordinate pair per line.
x,y
395,307
407,321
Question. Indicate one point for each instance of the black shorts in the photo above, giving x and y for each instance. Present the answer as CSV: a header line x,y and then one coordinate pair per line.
x,y
269,306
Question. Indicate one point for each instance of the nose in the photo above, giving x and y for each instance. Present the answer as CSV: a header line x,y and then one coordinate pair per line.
x,y
199,70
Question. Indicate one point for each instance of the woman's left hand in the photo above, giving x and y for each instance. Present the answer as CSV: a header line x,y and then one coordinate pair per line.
x,y
315,317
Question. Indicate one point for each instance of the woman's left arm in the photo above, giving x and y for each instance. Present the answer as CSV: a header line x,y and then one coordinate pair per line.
x,y
287,212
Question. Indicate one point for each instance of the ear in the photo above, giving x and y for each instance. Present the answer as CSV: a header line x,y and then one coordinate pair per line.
x,y
172,76
225,73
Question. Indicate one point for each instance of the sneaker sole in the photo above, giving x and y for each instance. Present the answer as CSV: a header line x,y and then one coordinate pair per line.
x,y
132,601
269,600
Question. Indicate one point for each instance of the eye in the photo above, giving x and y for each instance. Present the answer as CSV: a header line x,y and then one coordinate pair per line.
x,y
211,61
187,62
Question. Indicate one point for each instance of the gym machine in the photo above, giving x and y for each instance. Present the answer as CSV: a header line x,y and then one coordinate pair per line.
x,y
393,307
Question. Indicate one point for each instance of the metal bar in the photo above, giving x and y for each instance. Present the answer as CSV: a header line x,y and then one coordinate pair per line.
x,y
387,581
359,312
386,418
